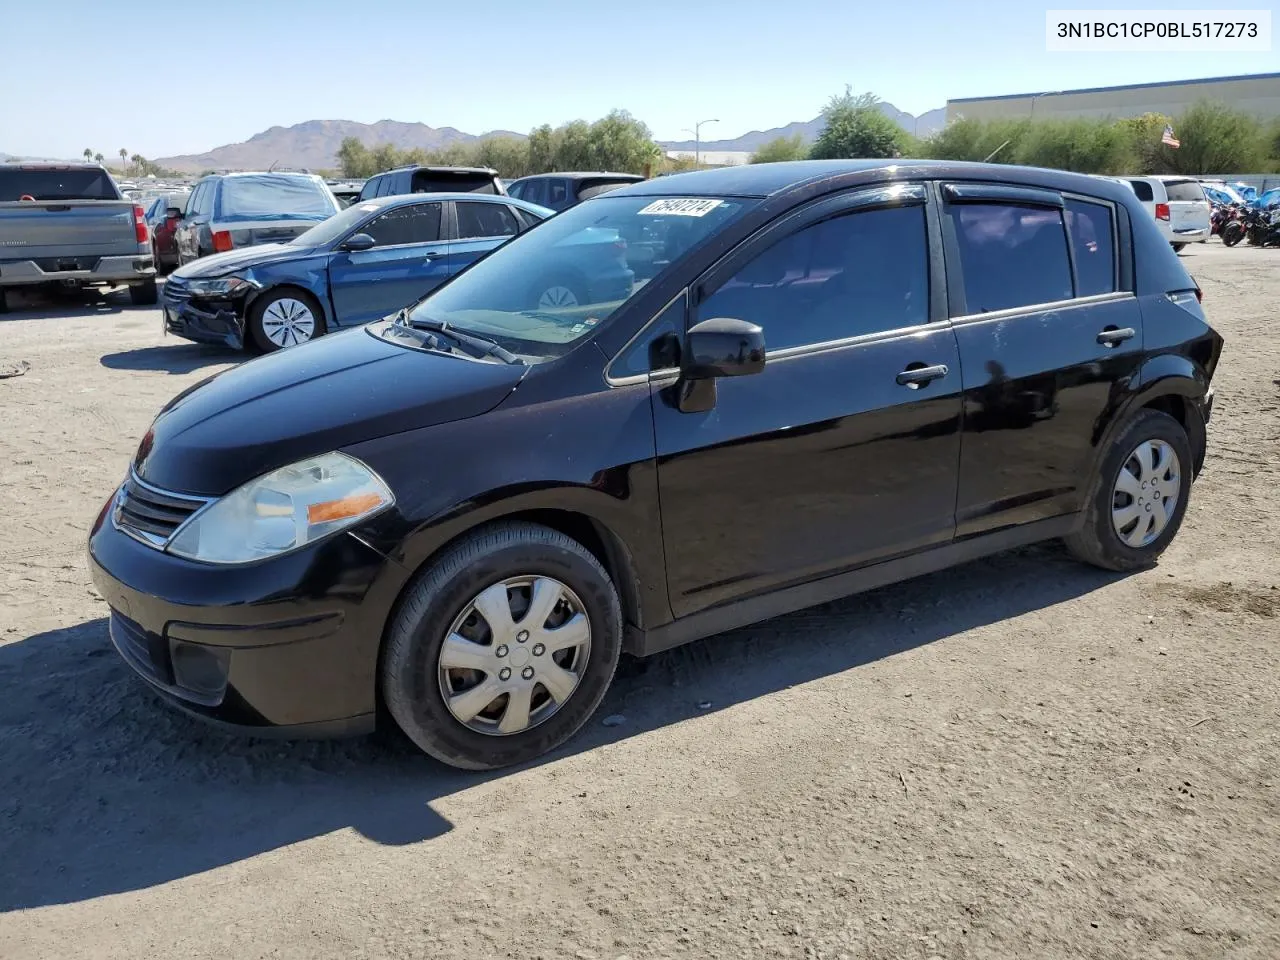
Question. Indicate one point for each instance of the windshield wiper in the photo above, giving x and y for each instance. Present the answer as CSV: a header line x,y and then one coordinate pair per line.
x,y
482,345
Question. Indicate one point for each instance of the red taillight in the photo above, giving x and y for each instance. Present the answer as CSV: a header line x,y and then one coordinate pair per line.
x,y
1162,211
620,246
222,241
139,224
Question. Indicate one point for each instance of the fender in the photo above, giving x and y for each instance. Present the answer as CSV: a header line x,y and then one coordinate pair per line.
x,y
1162,375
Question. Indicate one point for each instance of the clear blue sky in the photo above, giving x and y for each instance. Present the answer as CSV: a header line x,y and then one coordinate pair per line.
x,y
162,78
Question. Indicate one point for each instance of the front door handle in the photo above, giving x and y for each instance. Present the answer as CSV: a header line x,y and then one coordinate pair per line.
x,y
917,376
1114,336
428,257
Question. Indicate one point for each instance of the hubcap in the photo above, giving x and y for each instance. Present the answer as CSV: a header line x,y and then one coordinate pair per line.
x,y
514,655
287,322
1146,493
557,296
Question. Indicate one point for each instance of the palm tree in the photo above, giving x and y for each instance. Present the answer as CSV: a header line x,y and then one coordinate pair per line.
x,y
124,159
139,162
98,157
88,153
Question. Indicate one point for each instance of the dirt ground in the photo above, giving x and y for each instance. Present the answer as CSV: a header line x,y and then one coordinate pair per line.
x,y
1022,757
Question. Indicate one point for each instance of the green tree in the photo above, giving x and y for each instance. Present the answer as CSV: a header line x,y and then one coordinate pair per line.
x,y
781,149
88,153
354,159
508,155
620,143
968,139
124,157
1146,154
1216,138
541,149
855,127
1081,144
98,158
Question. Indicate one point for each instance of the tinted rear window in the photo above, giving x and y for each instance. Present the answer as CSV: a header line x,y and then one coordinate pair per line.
x,y
1012,256
434,181
1143,190
1183,190
1094,246
275,198
57,185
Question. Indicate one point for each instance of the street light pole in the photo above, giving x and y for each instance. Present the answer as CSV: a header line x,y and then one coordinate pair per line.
x,y
1048,93
697,142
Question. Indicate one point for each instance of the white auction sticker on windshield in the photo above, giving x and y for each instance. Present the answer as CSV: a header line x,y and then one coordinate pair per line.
x,y
672,207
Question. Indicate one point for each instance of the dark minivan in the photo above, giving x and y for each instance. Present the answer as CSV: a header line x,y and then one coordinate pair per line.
x,y
419,179
560,191
847,373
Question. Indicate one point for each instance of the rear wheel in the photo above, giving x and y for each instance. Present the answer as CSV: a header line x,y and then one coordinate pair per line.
x,y
1140,498
504,648
1177,247
1232,233
284,318
144,294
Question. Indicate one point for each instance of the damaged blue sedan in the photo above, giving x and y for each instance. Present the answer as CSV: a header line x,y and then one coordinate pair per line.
x,y
362,264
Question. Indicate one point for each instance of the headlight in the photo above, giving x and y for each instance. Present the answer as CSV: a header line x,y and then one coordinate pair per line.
x,y
286,509
220,286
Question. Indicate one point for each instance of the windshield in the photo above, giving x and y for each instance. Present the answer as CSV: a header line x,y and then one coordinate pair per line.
x,y
335,227
540,293
275,198
82,184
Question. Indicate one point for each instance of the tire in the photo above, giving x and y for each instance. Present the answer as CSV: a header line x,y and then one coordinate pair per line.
x,y
277,311
1098,541
1232,233
558,292
4,301
413,679
1177,247
144,294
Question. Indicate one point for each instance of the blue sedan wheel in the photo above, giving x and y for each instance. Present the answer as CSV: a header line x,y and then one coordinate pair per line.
x,y
285,319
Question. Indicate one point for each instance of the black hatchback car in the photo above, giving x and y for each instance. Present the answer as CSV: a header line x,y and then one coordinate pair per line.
x,y
848,373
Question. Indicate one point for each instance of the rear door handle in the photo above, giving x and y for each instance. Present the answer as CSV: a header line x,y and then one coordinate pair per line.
x,y
1114,336
919,376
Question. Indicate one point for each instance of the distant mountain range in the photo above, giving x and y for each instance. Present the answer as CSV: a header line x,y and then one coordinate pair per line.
x,y
313,145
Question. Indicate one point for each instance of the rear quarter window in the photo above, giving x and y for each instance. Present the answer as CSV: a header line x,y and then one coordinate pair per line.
x,y
1143,190
1093,245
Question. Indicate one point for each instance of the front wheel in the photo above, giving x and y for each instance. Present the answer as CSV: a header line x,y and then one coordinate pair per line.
x,y
1140,498
504,648
284,318
1177,247
1232,233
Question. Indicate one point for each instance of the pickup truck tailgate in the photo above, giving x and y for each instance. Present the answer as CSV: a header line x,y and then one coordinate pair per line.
x,y
67,228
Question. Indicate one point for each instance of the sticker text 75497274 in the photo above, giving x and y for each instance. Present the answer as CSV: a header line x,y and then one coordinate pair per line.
x,y
675,207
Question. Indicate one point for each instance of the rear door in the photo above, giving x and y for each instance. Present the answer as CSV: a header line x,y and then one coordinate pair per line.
x,y
478,227
1188,208
844,449
1050,334
409,261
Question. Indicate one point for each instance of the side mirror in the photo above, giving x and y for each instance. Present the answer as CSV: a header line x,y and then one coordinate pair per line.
x,y
359,241
722,347
172,213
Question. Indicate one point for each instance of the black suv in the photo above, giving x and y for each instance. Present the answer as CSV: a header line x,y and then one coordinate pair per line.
x,y
847,373
415,179
560,191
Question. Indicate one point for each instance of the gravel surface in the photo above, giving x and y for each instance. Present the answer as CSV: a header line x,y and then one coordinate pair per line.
x,y
1022,757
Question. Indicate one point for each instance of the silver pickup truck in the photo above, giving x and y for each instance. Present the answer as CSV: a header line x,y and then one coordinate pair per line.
x,y
68,225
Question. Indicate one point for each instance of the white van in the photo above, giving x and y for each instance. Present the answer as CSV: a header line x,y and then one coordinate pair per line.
x,y
1178,204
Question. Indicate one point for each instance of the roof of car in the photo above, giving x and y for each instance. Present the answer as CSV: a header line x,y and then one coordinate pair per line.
x,y
407,198
264,173
766,179
432,168
582,175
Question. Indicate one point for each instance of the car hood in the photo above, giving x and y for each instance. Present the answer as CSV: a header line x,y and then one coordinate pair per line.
x,y
341,389
220,264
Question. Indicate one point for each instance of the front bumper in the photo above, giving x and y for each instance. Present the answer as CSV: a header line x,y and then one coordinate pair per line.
x,y
204,321
288,645
128,269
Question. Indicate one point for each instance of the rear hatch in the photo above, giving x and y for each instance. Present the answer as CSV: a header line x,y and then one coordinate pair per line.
x,y
454,181
72,213
1188,208
270,208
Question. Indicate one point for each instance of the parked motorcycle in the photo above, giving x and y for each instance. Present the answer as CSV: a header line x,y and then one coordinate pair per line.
x,y
1220,214
1261,228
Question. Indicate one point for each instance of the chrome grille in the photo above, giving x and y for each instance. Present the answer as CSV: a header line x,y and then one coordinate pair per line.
x,y
152,515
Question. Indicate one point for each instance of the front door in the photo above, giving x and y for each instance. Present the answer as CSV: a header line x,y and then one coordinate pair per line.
x,y
408,262
843,451
1048,339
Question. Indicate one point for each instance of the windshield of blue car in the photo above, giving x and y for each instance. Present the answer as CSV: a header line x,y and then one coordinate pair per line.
x,y
543,291
277,197
338,225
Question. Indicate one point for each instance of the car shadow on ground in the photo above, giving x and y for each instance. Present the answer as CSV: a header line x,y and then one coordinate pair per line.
x,y
178,358
105,790
27,304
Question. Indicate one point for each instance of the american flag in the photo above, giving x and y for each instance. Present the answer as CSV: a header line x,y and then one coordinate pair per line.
x,y
1169,138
